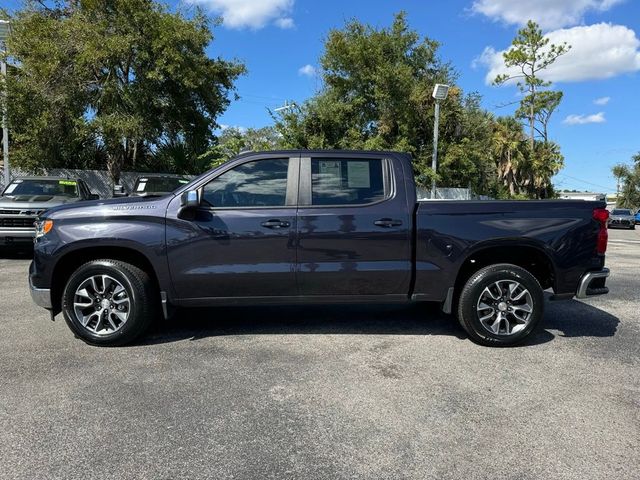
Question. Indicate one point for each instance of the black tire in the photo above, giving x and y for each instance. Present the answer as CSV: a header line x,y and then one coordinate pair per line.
x,y
473,291
633,227
142,301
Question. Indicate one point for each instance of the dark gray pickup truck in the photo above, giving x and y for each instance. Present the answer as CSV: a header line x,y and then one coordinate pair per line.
x,y
314,227
27,197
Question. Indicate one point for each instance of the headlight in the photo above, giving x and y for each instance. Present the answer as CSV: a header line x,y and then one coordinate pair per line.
x,y
43,227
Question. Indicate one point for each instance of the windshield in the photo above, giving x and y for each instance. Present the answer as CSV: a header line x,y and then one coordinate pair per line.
x,y
53,187
618,211
158,185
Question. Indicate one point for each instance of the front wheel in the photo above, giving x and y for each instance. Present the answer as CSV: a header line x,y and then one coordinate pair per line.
x,y
109,302
500,305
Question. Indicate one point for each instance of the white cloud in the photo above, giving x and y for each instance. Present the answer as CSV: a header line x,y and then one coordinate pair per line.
x,y
602,100
549,14
583,119
250,13
285,23
307,70
597,51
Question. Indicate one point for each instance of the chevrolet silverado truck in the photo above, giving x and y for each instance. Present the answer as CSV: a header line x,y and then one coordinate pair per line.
x,y
311,227
27,197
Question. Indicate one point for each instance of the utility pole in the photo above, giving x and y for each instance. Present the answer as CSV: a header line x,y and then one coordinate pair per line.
x,y
440,93
4,32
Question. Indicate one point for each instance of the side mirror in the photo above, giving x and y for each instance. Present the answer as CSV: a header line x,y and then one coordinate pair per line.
x,y
190,199
189,202
119,191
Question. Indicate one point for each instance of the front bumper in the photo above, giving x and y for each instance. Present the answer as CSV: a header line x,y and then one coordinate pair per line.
x,y
17,235
621,223
40,296
593,283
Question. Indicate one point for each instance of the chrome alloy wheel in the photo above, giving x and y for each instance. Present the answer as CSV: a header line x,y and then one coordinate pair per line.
x,y
505,307
101,304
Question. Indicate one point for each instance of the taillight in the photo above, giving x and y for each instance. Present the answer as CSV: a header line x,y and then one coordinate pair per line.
x,y
601,215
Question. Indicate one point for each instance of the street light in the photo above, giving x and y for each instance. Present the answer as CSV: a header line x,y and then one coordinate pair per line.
x,y
285,107
440,93
4,33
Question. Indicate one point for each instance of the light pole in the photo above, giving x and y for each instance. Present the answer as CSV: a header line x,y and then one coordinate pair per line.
x,y
440,93
285,107
4,33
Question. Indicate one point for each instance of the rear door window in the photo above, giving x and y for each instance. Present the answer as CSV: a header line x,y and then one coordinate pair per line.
x,y
347,181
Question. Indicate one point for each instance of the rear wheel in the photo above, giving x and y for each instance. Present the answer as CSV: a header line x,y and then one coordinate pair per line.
x,y
108,302
500,305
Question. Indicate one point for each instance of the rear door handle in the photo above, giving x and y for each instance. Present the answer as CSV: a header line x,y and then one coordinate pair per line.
x,y
387,223
275,223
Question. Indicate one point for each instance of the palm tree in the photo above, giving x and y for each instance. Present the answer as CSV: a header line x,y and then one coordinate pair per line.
x,y
621,172
507,148
546,163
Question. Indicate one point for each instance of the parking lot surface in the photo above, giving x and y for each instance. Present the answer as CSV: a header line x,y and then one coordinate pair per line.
x,y
325,392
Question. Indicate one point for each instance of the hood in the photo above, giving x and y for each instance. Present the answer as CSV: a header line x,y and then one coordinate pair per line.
x,y
124,205
34,202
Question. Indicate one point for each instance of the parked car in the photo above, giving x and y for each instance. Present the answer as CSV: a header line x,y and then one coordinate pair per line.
x,y
637,217
622,217
157,185
312,227
27,197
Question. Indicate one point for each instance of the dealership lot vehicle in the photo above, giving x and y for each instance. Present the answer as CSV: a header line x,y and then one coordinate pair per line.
x,y
339,392
622,217
157,185
314,227
27,197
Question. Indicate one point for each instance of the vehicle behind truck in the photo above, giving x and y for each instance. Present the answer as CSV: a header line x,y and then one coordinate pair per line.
x,y
27,197
309,227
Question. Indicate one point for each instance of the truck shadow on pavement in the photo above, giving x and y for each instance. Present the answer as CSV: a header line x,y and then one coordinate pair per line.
x,y
571,318
17,253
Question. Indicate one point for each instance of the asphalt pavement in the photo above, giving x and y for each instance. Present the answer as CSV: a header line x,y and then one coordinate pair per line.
x,y
387,392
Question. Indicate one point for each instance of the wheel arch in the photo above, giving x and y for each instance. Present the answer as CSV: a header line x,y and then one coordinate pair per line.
x,y
531,257
72,260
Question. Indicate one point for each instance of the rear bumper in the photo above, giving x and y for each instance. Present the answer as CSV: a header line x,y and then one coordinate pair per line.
x,y
40,296
593,283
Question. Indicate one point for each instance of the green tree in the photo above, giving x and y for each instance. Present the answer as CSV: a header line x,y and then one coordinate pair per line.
x,y
376,94
620,172
113,81
530,54
509,155
234,141
546,103
465,162
629,196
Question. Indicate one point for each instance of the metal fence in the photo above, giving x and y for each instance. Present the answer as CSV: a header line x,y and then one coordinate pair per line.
x,y
449,194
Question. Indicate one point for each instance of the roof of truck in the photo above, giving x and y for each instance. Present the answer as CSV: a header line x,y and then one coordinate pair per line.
x,y
321,151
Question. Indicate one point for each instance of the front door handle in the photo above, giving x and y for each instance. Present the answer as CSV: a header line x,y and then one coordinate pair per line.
x,y
387,223
275,223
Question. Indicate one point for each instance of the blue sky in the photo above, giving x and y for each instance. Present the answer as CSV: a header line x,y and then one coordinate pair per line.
x,y
597,123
